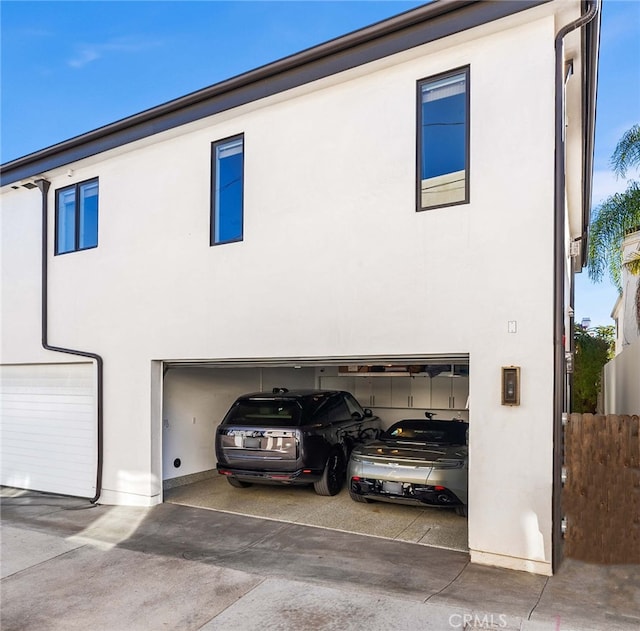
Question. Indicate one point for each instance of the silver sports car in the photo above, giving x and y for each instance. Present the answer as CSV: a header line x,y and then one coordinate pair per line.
x,y
415,461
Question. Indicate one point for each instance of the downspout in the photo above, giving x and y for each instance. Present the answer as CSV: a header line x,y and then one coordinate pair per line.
x,y
44,185
559,372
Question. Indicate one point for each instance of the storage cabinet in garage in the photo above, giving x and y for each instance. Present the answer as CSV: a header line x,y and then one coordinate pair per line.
x,y
373,391
439,387
441,392
459,391
411,392
401,392
449,392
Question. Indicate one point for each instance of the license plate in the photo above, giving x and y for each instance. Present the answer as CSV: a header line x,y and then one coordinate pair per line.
x,y
251,443
394,488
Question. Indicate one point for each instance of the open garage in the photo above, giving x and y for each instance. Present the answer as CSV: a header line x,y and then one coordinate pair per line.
x,y
196,396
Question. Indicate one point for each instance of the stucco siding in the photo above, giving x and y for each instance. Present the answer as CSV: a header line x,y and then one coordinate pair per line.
x,y
335,262
621,376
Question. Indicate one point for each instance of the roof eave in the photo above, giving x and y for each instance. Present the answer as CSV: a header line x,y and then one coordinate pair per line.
x,y
591,48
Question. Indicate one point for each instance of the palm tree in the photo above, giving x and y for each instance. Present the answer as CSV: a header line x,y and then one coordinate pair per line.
x,y
627,152
616,216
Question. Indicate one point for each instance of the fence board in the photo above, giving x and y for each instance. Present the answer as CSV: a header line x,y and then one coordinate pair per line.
x,y
601,494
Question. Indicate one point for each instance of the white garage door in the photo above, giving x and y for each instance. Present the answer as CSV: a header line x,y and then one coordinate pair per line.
x,y
48,428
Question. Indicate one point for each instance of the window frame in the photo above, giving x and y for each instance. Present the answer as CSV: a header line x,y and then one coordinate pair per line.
x,y
466,70
214,162
77,233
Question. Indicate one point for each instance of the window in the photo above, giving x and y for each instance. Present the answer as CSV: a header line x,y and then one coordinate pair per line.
x,y
265,413
443,140
77,217
334,410
227,190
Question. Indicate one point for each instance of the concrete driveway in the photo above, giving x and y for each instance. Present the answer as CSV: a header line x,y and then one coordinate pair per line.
x,y
67,565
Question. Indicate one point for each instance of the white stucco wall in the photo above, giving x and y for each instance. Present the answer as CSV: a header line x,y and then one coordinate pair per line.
x,y
622,374
334,262
621,379
626,312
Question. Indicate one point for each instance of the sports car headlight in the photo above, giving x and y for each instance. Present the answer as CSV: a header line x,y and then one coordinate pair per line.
x,y
444,463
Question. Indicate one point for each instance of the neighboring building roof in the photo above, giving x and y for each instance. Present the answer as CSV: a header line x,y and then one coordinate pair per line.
x,y
413,28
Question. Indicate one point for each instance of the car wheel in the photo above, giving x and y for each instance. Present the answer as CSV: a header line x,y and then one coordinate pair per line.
x,y
356,497
461,510
238,484
333,475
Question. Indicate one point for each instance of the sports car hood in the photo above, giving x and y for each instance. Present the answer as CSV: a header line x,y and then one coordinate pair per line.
x,y
405,450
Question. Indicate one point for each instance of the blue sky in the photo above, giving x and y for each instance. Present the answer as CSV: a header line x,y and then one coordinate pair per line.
x,y
70,67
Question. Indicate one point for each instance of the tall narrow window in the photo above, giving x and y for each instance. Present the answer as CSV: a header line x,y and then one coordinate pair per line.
x,y
227,190
77,217
443,140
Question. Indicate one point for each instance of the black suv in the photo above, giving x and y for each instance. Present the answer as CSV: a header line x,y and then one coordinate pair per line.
x,y
297,437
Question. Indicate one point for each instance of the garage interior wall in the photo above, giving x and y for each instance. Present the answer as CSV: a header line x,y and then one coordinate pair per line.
x,y
196,400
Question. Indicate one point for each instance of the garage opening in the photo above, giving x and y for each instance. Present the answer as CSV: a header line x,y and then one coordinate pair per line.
x,y
197,396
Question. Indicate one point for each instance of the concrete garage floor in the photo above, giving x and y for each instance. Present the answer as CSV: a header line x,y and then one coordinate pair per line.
x,y
440,528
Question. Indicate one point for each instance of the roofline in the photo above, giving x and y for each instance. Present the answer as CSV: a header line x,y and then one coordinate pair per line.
x,y
407,30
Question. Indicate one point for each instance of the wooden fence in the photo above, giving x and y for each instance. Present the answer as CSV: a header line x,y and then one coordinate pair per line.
x,y
601,493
